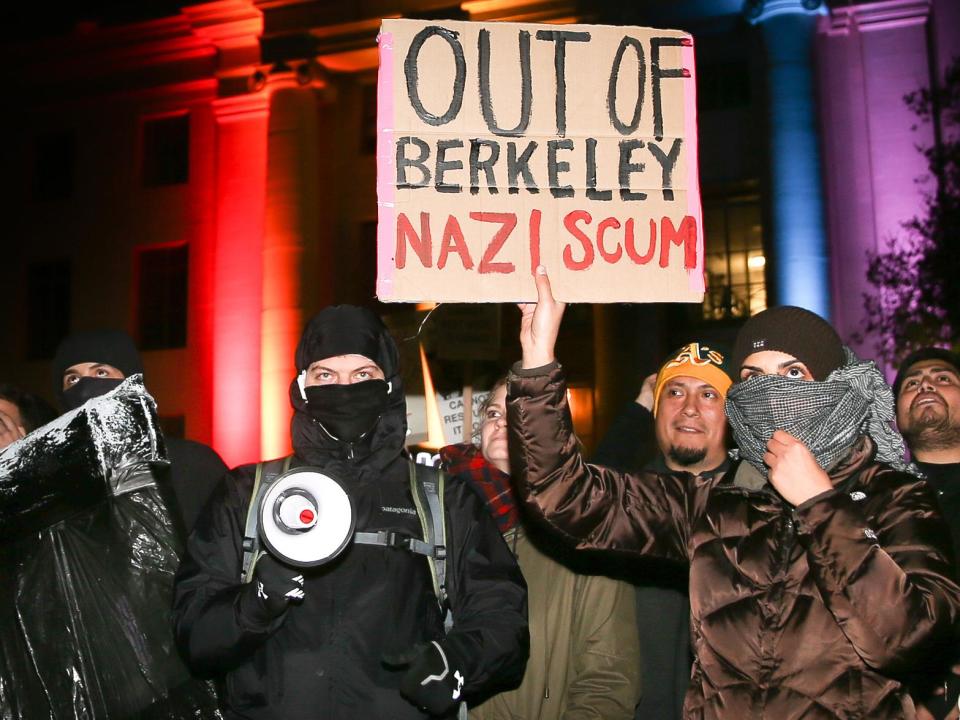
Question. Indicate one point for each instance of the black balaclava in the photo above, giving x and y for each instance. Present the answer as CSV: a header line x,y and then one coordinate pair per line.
x,y
107,347
373,412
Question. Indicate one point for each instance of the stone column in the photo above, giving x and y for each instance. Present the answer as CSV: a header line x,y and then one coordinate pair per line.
x,y
870,56
800,267
240,197
292,216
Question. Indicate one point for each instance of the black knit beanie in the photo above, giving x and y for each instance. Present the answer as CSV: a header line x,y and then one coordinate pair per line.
x,y
347,330
793,330
107,347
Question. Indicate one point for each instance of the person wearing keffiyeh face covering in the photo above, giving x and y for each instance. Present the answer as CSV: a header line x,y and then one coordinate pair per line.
x,y
584,647
361,636
780,425
820,568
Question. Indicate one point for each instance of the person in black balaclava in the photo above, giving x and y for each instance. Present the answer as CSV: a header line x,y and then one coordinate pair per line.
x,y
361,636
92,363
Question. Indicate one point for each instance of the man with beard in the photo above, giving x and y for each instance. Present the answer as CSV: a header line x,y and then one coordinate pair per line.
x,y
684,404
361,636
927,389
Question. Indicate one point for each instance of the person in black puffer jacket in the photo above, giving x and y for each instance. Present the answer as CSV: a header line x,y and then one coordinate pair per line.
x,y
361,636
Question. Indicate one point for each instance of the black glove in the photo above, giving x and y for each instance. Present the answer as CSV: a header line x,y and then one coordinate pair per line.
x,y
273,587
433,680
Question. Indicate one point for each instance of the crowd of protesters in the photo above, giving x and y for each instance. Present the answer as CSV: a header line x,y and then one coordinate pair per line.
x,y
788,523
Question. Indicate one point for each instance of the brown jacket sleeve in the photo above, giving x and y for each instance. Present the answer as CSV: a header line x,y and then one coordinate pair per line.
x,y
594,507
883,566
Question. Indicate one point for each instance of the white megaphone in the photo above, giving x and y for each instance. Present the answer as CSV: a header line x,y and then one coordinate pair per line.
x,y
305,517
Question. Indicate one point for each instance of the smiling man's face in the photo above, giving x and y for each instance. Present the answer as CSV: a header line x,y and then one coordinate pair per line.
x,y
691,425
928,407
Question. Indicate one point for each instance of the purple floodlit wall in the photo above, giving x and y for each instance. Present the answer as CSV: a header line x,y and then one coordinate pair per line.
x,y
869,56
946,33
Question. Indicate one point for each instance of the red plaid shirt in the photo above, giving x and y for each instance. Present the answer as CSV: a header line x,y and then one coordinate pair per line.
x,y
465,461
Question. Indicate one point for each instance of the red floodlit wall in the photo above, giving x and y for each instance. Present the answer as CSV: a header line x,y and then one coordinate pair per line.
x,y
241,171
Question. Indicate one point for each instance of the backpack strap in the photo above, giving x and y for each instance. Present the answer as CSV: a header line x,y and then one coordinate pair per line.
x,y
264,477
427,488
391,538
427,485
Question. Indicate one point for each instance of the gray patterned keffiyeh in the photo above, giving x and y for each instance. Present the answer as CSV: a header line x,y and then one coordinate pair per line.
x,y
826,416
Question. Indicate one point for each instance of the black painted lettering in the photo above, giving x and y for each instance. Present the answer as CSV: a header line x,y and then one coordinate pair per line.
x,y
519,166
403,162
476,165
561,38
555,167
443,165
626,168
621,127
667,162
658,73
411,72
592,192
526,86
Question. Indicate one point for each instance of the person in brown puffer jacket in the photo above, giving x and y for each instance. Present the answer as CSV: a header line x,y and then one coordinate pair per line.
x,y
820,567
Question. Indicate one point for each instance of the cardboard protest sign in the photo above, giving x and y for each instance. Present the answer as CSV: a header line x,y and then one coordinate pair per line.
x,y
501,146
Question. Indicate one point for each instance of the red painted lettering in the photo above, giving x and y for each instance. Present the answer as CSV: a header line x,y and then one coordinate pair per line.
x,y
631,246
453,241
534,241
686,236
610,257
421,244
570,223
508,221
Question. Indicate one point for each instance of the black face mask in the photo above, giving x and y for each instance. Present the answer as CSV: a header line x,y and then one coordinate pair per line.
x,y
347,412
86,388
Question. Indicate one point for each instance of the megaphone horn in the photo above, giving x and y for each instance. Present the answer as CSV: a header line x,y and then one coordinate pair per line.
x,y
306,517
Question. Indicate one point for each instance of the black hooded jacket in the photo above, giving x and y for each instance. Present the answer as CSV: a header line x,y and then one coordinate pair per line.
x,y
323,658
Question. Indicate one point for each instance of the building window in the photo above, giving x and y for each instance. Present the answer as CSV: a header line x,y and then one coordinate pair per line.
x,y
368,119
54,165
723,86
734,258
48,307
162,297
166,150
